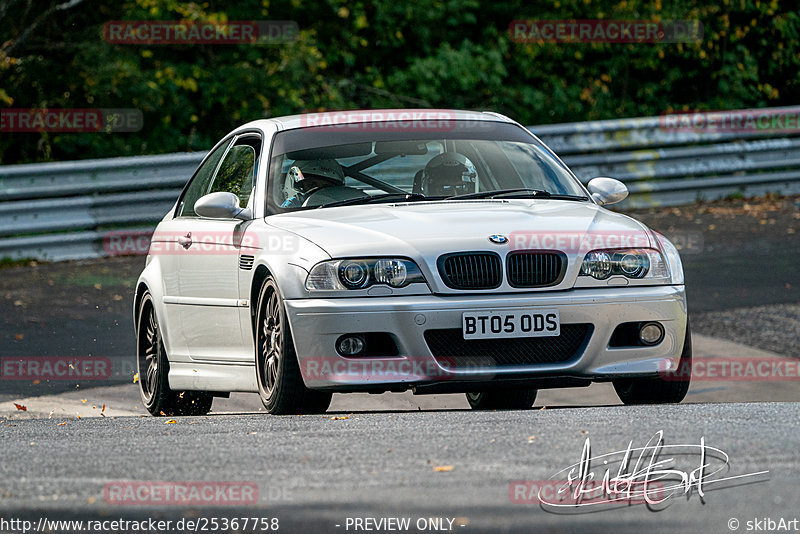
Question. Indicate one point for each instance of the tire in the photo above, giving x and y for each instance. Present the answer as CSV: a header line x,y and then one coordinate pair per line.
x,y
153,368
515,399
280,383
659,390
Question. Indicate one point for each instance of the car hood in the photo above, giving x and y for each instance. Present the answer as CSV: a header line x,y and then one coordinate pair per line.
x,y
428,229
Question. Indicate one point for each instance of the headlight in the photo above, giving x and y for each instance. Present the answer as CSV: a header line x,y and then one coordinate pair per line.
x,y
354,274
391,272
635,263
597,264
339,275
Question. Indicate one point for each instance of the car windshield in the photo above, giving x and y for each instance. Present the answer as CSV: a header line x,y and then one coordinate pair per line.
x,y
370,163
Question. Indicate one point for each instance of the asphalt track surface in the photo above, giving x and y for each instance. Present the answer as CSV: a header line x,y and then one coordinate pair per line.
x,y
313,472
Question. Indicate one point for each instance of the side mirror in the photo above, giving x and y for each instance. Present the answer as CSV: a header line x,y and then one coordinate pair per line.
x,y
221,205
607,190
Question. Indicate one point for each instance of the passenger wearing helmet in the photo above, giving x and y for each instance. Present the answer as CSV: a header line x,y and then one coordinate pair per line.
x,y
307,176
449,174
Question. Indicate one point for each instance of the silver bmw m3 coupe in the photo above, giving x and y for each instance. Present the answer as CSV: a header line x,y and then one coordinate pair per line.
x,y
388,250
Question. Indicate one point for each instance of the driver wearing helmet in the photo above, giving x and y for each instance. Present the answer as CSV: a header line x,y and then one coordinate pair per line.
x,y
449,174
307,176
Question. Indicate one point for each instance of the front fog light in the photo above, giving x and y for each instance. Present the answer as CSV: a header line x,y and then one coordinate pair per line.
x,y
392,272
350,345
353,274
597,265
651,333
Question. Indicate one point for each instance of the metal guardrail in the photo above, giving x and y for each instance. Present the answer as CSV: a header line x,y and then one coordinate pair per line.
x,y
58,211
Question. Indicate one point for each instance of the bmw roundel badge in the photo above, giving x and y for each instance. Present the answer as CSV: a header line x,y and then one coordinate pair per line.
x,y
499,239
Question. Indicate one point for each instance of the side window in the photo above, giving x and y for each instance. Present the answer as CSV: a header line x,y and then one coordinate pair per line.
x,y
237,172
199,184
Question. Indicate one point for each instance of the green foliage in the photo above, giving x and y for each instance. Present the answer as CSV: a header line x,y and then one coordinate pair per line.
x,y
382,53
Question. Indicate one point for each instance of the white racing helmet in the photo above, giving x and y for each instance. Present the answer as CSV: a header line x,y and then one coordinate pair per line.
x,y
307,175
449,174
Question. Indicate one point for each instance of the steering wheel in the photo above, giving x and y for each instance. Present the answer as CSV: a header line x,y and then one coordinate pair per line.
x,y
325,195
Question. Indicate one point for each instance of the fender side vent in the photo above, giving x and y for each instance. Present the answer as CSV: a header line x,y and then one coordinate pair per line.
x,y
246,262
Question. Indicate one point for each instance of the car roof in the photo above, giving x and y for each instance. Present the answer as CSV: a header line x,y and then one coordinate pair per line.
x,y
329,118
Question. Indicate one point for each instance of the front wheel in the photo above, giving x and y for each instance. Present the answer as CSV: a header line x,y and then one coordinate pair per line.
x,y
515,399
280,383
153,369
669,389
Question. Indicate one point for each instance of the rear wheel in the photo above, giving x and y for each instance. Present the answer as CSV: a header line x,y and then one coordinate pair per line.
x,y
280,383
515,399
153,369
660,390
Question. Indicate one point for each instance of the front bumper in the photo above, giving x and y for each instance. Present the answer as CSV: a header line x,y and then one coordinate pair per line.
x,y
317,324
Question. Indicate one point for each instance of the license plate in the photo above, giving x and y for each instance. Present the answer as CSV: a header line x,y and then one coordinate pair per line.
x,y
486,325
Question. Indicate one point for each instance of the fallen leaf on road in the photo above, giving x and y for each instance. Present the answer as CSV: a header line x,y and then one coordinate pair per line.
x,y
36,382
171,422
104,407
442,468
531,439
338,417
21,408
62,424
543,408
135,378
19,337
84,401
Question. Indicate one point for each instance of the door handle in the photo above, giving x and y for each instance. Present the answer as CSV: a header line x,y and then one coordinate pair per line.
x,y
185,241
